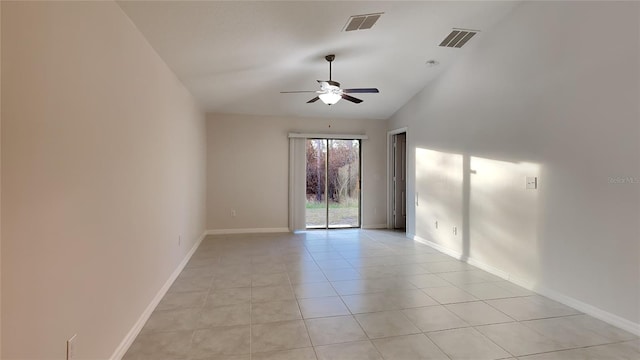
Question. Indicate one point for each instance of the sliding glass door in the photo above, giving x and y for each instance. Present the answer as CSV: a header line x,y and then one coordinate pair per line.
x,y
333,183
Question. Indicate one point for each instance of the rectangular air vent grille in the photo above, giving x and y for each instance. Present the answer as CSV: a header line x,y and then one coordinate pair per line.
x,y
362,22
458,37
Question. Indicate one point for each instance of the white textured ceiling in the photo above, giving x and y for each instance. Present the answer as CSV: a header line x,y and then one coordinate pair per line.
x,y
236,56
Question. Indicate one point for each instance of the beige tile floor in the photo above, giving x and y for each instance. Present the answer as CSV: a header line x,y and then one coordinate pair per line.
x,y
359,294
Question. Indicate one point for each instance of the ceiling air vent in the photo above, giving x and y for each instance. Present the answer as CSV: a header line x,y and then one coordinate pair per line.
x,y
362,22
458,37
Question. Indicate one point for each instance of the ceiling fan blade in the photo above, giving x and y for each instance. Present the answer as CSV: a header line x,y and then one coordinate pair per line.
x,y
295,92
361,91
313,100
351,98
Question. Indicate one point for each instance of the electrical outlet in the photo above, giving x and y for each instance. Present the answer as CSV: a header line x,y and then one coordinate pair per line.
x,y
436,224
455,230
71,347
233,213
179,240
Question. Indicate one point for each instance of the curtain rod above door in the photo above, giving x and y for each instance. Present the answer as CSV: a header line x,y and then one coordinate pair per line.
x,y
328,136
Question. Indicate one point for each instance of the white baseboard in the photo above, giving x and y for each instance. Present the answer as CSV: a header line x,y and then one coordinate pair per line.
x,y
591,310
374,226
247,231
135,330
495,271
597,313
442,249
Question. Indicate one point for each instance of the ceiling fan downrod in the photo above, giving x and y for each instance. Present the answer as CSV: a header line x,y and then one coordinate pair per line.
x,y
330,59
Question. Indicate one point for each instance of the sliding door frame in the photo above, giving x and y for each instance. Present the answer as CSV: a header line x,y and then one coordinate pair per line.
x,y
297,175
327,141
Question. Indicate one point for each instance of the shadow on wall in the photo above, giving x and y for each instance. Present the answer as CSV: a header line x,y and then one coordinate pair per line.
x,y
481,209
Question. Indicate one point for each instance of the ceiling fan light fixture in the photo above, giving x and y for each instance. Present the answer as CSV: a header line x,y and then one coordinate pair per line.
x,y
330,98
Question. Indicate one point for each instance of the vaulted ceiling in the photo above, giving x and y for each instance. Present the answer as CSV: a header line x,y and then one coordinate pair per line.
x,y
236,56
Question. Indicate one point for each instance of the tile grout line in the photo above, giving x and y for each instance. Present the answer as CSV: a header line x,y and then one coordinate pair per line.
x,y
579,347
217,259
301,315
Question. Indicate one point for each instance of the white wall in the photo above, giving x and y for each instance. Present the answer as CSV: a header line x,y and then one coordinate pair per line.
x,y
247,164
103,167
551,92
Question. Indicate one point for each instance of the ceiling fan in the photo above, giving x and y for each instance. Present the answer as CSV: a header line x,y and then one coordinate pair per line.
x,y
330,91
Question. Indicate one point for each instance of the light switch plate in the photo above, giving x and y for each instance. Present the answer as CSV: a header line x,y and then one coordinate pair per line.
x,y
532,182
